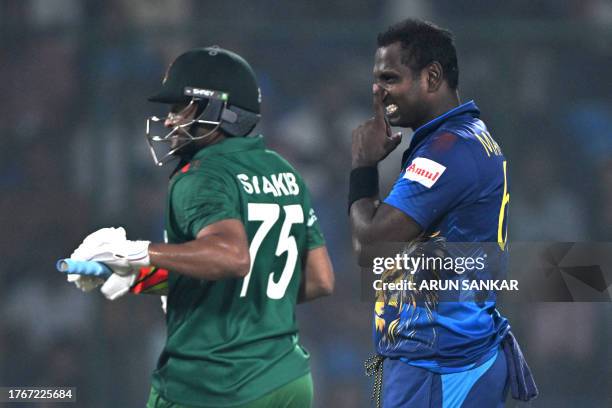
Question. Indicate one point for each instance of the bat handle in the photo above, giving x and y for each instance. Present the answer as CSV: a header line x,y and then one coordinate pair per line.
x,y
87,268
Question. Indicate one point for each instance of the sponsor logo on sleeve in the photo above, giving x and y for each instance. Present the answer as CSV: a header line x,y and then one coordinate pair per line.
x,y
312,217
424,171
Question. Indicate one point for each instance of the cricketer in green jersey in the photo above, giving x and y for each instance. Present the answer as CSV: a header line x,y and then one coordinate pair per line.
x,y
244,246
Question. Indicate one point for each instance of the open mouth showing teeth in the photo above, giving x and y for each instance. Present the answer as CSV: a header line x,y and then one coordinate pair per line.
x,y
391,109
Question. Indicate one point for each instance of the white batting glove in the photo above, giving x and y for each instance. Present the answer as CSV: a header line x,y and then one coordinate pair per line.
x,y
117,286
110,246
85,283
85,251
95,239
124,257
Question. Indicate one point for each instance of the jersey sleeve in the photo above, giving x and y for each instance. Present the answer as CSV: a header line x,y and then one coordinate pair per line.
x,y
203,198
314,235
439,176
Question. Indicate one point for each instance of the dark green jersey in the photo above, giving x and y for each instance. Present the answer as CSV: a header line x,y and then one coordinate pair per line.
x,y
231,341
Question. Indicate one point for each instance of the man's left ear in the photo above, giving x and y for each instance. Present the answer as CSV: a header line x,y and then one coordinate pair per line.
x,y
434,76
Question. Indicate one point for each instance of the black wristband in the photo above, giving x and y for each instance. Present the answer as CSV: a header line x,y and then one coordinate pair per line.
x,y
362,183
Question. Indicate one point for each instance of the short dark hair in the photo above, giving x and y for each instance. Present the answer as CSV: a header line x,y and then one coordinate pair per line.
x,y
423,43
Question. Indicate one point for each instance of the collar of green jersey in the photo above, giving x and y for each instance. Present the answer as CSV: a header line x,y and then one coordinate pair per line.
x,y
231,145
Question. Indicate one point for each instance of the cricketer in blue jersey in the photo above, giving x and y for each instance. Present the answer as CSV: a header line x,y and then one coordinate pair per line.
x,y
453,184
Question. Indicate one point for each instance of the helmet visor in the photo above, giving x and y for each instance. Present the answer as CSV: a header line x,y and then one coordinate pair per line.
x,y
167,136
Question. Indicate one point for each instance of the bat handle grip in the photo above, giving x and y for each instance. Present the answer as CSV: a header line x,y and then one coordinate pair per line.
x,y
88,268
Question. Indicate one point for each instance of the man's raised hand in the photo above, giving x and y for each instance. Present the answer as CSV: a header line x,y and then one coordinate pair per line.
x,y
372,140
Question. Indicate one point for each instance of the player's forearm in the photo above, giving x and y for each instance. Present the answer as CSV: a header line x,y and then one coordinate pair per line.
x,y
373,223
318,277
363,200
312,291
205,258
361,216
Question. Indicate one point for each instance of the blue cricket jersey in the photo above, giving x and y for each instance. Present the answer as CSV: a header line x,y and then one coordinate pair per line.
x,y
453,183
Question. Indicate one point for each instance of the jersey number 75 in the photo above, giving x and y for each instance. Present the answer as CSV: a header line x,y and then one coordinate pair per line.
x,y
269,214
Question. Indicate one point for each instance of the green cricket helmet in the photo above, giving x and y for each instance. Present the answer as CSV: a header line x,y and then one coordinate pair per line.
x,y
223,87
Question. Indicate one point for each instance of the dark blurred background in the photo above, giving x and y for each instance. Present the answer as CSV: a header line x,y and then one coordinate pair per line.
x,y
75,75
